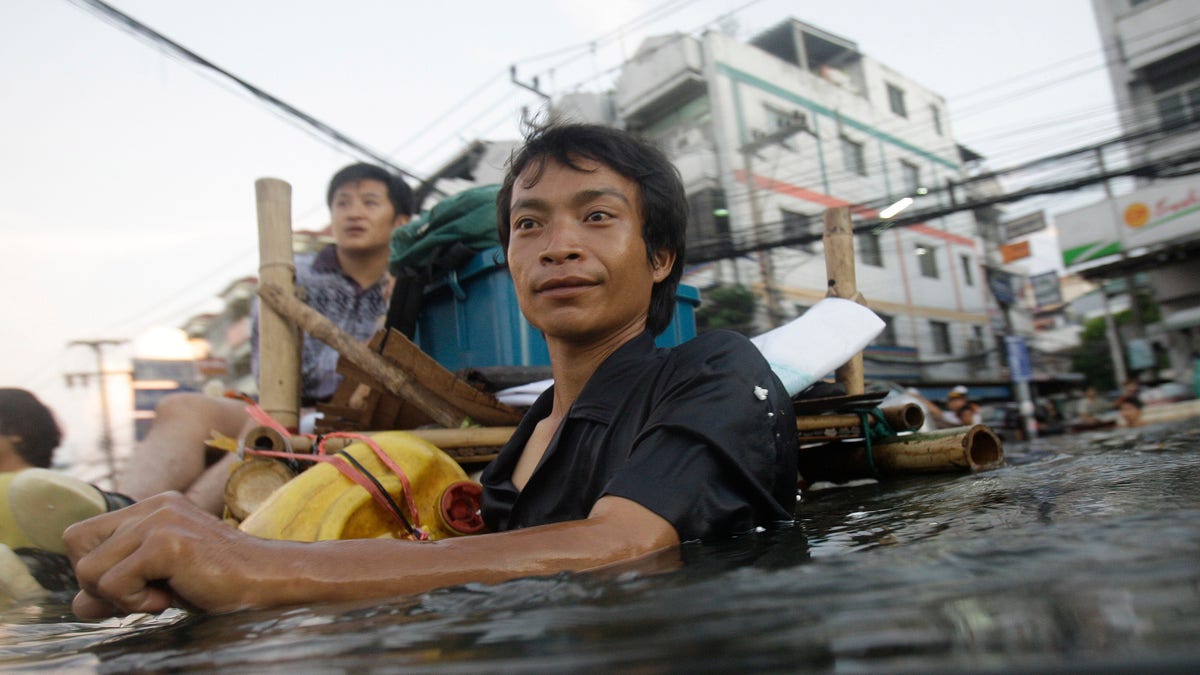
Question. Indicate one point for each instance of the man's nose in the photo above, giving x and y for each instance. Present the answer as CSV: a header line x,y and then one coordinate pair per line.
x,y
561,242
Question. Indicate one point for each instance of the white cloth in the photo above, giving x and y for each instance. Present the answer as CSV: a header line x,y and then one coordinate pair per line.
x,y
817,342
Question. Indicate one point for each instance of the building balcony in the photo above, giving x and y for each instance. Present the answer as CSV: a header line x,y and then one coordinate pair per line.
x,y
1154,31
666,73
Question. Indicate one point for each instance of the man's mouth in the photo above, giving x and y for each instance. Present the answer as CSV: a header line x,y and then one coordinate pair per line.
x,y
564,285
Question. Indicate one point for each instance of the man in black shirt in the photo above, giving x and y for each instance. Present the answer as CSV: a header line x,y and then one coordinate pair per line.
x,y
632,451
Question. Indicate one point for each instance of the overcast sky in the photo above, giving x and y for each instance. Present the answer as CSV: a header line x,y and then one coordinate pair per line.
x,y
127,176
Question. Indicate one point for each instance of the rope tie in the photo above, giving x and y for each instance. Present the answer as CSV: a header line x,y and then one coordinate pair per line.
x,y
348,467
880,431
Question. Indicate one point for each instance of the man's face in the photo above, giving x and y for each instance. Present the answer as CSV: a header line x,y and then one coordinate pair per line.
x,y
577,255
363,217
955,403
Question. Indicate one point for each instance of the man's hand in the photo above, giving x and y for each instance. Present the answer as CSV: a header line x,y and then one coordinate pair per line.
x,y
165,552
159,553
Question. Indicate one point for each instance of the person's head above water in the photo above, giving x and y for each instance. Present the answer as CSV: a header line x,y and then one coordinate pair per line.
x,y
27,430
662,203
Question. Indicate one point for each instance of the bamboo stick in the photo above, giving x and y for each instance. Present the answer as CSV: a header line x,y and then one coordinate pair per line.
x,y
395,379
960,449
471,437
278,340
843,283
905,417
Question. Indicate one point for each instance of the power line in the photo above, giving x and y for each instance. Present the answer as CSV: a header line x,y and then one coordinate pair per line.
x,y
140,29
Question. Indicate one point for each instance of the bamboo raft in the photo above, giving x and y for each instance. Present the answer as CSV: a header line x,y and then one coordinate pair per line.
x,y
390,384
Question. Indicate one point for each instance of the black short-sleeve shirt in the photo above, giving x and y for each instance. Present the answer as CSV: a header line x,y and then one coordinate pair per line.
x,y
702,434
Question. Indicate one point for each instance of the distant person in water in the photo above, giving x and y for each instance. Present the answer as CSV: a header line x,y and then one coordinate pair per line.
x,y
1091,408
970,413
632,451
37,504
1130,410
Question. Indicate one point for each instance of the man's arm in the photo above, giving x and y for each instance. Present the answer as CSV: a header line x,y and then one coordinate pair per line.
x,y
164,552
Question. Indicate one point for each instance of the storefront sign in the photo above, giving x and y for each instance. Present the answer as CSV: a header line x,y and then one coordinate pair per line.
x,y
1168,210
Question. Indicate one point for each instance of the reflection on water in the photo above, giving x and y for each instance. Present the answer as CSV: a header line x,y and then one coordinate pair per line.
x,y
1083,553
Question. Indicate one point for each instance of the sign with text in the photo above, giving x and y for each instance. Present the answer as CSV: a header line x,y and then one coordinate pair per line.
x,y
1019,365
1028,224
1046,289
1015,251
1166,211
1001,284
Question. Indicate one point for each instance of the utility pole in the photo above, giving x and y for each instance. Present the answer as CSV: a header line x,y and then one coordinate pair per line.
x,y
106,441
1121,366
766,264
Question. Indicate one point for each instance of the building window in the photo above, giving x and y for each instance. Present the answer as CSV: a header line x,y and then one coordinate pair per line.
x,y
886,337
927,260
896,100
939,334
869,251
800,226
968,270
1175,86
1179,107
910,177
856,160
708,223
937,119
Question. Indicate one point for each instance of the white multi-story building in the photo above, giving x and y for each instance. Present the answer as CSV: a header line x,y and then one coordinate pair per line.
x,y
769,133
1152,48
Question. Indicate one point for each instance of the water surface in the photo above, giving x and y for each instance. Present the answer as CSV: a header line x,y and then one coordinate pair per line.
x,y
1082,554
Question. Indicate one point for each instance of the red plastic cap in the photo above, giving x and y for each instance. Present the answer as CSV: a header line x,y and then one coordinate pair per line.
x,y
461,503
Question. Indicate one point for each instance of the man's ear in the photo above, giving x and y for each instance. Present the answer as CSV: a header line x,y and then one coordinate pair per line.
x,y
661,264
400,219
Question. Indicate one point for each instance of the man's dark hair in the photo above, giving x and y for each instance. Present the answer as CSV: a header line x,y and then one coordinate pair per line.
x,y
664,203
21,414
398,191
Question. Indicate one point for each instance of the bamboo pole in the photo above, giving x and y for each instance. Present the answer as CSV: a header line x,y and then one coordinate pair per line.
x,y
961,449
843,283
905,417
395,379
278,340
444,438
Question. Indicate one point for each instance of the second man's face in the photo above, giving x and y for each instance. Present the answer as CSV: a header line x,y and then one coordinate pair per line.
x,y
363,217
577,255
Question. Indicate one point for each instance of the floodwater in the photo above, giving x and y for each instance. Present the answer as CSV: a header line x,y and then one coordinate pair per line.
x,y
1083,554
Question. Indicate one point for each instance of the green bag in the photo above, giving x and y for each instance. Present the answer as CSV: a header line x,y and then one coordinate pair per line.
x,y
467,218
436,242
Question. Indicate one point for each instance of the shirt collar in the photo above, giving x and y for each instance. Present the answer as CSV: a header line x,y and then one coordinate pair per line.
x,y
327,262
607,387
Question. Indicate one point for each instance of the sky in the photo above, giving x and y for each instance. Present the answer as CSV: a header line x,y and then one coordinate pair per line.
x,y
127,175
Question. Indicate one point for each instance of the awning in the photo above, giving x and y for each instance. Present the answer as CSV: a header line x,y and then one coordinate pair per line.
x,y
1184,318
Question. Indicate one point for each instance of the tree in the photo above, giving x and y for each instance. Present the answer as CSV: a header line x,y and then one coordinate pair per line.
x,y
730,307
1093,359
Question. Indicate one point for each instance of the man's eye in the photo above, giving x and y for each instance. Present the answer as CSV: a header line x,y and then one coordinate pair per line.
x,y
597,217
524,224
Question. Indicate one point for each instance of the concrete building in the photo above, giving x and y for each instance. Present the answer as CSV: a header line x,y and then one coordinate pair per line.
x,y
767,134
1153,50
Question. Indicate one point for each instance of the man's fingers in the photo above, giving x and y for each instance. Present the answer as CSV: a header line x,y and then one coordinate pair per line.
x,y
152,600
84,536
